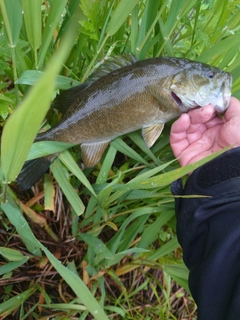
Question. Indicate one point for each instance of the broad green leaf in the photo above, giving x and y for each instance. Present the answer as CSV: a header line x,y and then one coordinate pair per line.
x,y
12,16
120,15
33,21
27,118
11,254
44,148
30,77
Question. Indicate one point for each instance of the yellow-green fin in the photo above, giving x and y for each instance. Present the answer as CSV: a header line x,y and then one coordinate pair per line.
x,y
92,152
151,133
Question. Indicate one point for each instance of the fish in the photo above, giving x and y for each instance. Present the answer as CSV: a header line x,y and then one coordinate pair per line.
x,y
127,95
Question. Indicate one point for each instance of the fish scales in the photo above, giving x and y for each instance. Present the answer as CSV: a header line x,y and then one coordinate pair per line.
x,y
115,104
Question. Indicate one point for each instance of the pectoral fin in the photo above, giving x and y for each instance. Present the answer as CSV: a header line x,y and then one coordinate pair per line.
x,y
92,152
161,95
151,133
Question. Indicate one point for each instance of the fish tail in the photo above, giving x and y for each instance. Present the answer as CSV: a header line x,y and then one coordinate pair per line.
x,y
32,171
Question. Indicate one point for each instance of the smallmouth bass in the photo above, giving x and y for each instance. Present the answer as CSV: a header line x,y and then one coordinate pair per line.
x,y
129,95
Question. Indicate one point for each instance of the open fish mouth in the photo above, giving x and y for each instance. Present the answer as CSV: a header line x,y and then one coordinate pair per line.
x,y
183,102
177,99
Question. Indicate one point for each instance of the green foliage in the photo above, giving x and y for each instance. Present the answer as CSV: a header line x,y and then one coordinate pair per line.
x,y
127,223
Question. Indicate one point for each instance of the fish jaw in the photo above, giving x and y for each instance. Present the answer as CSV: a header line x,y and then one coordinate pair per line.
x,y
220,98
191,90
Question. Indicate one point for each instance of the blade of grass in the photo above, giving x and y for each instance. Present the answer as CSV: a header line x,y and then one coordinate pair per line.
x,y
11,254
44,148
26,119
179,273
151,233
12,16
33,23
10,266
120,15
56,9
121,146
7,307
61,175
164,250
30,77
49,193
168,177
71,164
17,219
77,286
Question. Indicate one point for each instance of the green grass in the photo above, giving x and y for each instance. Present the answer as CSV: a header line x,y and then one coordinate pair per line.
x,y
98,243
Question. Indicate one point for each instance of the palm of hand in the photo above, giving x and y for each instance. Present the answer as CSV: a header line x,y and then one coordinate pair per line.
x,y
201,132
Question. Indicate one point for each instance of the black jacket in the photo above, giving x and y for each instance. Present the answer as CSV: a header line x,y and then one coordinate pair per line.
x,y
208,230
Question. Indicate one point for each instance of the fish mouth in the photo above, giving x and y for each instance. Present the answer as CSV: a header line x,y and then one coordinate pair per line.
x,y
183,103
177,99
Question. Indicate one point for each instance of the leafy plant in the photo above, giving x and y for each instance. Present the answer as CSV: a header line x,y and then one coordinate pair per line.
x,y
99,242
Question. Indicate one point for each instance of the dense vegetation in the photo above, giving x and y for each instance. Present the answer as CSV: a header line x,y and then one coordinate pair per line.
x,y
98,243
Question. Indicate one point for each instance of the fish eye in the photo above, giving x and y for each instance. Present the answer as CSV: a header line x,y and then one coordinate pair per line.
x,y
210,74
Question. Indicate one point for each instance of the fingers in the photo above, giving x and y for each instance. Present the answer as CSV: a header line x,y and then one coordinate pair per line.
x,y
178,134
191,124
180,126
202,115
233,109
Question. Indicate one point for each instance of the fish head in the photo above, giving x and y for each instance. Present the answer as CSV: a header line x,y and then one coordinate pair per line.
x,y
200,84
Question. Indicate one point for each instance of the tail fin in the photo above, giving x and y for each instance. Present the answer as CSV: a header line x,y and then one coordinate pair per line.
x,y
32,171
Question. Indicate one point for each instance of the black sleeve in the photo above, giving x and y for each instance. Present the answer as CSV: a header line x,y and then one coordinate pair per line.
x,y
208,230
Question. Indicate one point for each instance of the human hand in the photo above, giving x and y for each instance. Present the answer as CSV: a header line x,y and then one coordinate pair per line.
x,y
201,132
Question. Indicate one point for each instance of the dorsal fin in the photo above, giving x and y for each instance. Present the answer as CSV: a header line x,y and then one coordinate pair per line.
x,y
66,97
112,64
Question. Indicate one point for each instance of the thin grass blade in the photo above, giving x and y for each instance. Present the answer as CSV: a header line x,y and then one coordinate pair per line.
x,y
179,273
56,9
27,118
61,175
120,15
17,219
10,266
11,254
7,307
12,16
77,286
33,21
71,164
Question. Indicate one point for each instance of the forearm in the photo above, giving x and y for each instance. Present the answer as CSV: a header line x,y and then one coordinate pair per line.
x,y
209,231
